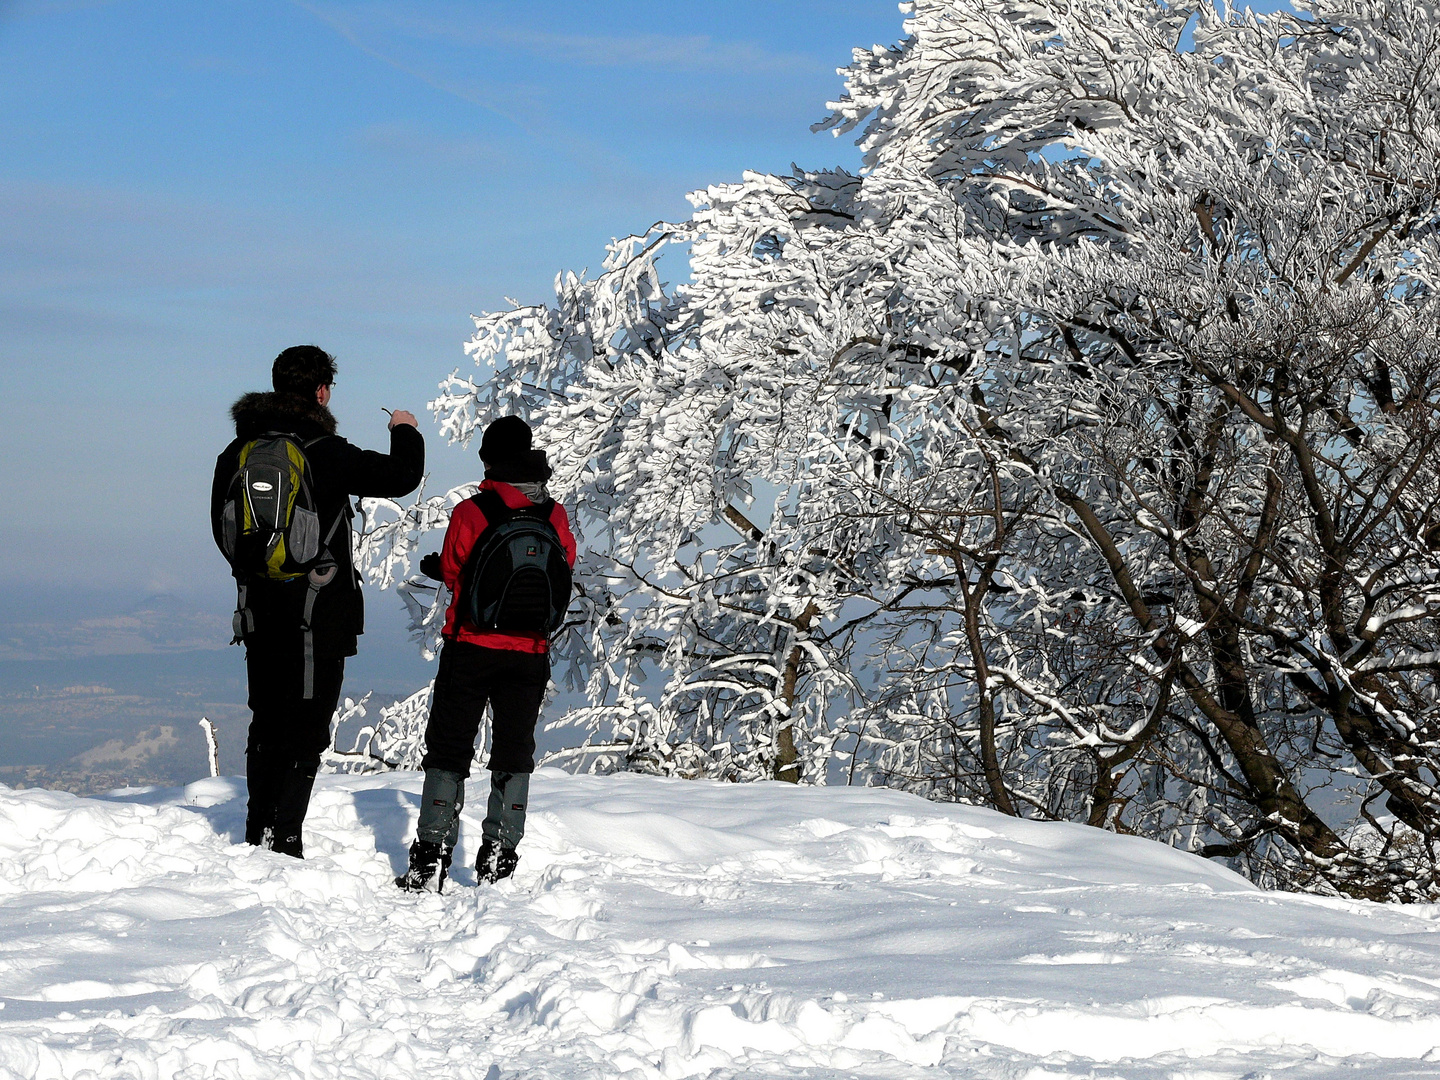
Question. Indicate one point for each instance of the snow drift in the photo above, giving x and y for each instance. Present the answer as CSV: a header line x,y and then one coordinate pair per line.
x,y
668,928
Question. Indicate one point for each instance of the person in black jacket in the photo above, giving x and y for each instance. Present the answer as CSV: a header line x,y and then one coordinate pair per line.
x,y
295,666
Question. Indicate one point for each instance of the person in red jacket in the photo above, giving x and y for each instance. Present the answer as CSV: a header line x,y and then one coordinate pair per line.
x,y
510,671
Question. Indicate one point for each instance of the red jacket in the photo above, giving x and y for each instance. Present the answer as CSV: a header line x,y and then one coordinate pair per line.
x,y
466,525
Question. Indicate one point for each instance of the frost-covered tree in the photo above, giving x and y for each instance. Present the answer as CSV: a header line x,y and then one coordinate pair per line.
x,y
1078,457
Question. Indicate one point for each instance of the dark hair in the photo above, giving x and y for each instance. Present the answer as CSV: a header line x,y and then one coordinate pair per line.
x,y
302,369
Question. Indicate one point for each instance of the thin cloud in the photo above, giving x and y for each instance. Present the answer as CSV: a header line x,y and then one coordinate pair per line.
x,y
657,50
407,140
693,53
14,10
444,85
540,129
698,52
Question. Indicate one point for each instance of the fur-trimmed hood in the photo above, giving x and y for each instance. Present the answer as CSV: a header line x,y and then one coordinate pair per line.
x,y
254,414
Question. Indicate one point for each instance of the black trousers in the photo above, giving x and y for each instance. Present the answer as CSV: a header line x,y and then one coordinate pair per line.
x,y
284,723
469,676
288,733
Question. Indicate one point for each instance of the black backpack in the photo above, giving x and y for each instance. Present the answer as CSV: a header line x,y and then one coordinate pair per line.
x,y
517,579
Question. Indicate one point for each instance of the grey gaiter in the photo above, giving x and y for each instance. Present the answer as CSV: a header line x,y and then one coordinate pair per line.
x,y
505,815
441,801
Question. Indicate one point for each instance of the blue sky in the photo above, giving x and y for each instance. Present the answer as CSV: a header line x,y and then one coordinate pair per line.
x,y
187,188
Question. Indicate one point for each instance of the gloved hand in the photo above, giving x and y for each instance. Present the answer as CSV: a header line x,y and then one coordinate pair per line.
x,y
430,566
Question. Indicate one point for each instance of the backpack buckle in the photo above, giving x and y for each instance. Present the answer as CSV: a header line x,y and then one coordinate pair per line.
x,y
322,575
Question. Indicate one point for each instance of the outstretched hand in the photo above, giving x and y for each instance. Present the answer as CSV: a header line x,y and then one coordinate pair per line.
x,y
400,416
430,566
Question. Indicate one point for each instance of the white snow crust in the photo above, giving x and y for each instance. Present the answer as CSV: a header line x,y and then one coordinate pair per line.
x,y
673,928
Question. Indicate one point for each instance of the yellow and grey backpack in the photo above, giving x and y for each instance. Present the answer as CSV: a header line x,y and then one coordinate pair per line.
x,y
269,528
269,524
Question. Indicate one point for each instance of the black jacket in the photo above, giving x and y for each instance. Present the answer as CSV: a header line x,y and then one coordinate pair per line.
x,y
339,470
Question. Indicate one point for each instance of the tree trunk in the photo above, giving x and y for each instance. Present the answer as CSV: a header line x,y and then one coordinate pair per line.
x,y
787,757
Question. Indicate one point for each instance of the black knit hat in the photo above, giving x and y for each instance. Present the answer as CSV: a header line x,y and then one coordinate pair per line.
x,y
504,438
505,450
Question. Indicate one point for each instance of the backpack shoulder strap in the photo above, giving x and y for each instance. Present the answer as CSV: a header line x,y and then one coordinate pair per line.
x,y
492,506
497,512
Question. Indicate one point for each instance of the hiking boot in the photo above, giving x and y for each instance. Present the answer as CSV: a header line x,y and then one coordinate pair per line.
x,y
261,785
429,866
495,862
288,845
292,799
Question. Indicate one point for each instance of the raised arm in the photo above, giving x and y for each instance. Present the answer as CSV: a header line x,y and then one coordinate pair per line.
x,y
385,476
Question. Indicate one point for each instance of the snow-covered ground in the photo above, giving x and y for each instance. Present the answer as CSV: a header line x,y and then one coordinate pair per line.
x,y
678,928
